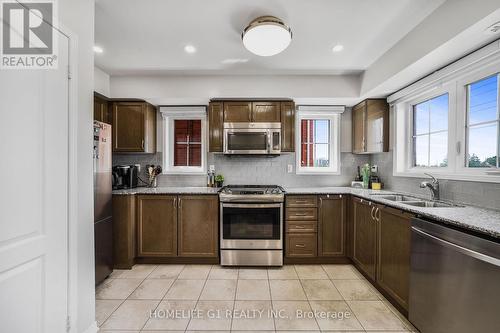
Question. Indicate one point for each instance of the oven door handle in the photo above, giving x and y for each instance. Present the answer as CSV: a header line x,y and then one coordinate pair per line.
x,y
252,205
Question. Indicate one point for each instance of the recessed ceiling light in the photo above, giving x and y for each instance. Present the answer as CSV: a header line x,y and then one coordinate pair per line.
x,y
98,49
189,49
234,61
338,48
266,36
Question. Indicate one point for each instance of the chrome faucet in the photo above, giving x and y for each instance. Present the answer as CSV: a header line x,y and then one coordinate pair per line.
x,y
433,186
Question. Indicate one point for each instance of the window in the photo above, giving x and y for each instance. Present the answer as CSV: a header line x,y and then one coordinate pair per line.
x,y
315,143
482,123
184,146
448,123
187,144
319,137
430,132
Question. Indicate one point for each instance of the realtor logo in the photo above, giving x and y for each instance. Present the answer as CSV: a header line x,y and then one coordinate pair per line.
x,y
28,40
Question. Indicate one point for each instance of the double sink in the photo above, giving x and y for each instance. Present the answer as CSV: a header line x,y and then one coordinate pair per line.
x,y
414,201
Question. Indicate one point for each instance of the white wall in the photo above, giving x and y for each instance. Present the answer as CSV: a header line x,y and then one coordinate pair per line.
x,y
78,17
101,82
304,89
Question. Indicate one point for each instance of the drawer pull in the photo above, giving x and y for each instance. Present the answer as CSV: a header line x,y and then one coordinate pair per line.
x,y
300,245
301,214
299,227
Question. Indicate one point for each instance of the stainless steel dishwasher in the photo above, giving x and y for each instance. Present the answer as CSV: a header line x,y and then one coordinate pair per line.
x,y
454,280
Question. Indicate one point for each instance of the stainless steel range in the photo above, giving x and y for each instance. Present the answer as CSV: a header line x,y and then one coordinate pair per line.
x,y
251,225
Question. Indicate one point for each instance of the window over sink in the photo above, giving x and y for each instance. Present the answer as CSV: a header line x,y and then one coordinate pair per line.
x,y
184,143
318,129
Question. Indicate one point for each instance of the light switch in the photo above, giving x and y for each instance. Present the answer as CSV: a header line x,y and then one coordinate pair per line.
x,y
290,168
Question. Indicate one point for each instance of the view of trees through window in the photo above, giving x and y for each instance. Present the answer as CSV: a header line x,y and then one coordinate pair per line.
x,y
483,123
315,143
430,132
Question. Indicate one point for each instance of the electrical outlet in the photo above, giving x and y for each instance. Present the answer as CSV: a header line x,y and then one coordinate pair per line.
x,y
374,168
290,168
212,167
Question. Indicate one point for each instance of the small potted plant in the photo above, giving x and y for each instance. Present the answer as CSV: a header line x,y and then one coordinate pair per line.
x,y
219,180
365,173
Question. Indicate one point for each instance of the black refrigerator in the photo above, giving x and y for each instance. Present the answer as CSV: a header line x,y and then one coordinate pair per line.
x,y
103,219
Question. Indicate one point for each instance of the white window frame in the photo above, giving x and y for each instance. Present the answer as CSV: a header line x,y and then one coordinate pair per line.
x,y
453,80
332,114
169,115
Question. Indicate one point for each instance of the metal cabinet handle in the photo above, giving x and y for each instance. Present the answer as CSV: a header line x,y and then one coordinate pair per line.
x,y
371,213
377,214
300,245
175,203
300,214
142,144
299,227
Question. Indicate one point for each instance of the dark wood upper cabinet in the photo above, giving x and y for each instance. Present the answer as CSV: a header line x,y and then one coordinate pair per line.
x,y
393,255
287,127
239,112
266,112
156,226
332,226
198,226
216,127
101,110
365,237
370,127
134,127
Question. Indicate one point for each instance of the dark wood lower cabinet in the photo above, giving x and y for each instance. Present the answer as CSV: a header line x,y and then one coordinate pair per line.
x,y
124,231
301,245
393,255
198,226
365,237
331,226
157,225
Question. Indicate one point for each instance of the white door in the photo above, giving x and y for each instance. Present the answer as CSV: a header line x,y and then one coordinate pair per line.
x,y
34,197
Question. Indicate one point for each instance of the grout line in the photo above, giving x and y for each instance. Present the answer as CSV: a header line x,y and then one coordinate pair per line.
x,y
198,300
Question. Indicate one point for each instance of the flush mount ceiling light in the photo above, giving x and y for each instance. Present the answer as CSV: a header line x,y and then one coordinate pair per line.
x,y
189,49
266,36
98,49
337,48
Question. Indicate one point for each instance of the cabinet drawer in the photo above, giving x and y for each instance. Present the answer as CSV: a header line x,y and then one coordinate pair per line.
x,y
301,226
302,214
301,245
302,201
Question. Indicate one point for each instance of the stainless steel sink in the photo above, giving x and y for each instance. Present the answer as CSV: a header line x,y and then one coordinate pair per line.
x,y
397,197
430,204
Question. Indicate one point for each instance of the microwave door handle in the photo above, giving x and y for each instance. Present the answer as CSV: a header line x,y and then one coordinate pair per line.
x,y
269,141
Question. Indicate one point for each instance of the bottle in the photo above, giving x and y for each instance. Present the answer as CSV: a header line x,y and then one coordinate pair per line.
x,y
208,179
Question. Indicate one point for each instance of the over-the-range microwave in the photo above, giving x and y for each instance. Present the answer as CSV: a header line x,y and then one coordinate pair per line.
x,y
252,138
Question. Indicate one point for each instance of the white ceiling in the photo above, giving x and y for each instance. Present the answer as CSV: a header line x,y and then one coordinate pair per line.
x,y
148,36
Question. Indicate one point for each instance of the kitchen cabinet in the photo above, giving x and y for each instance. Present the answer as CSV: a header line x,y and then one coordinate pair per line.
x,y
370,127
365,236
381,247
301,245
157,226
287,127
331,226
238,112
134,127
198,226
101,109
301,226
215,127
393,253
124,231
266,112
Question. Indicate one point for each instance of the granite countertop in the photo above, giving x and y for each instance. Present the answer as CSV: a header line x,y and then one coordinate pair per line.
x,y
168,190
485,221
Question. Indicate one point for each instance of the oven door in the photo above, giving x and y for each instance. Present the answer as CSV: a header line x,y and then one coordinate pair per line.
x,y
246,141
251,226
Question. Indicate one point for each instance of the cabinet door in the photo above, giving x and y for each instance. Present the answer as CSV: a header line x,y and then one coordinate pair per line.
x,y
198,226
331,226
358,128
377,124
128,126
365,233
393,259
287,126
215,127
150,129
266,112
237,112
157,226
101,110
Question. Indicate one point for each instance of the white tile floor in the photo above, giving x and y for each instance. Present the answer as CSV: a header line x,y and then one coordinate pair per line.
x,y
217,299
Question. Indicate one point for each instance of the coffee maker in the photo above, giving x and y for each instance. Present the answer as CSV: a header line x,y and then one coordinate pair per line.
x,y
125,176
